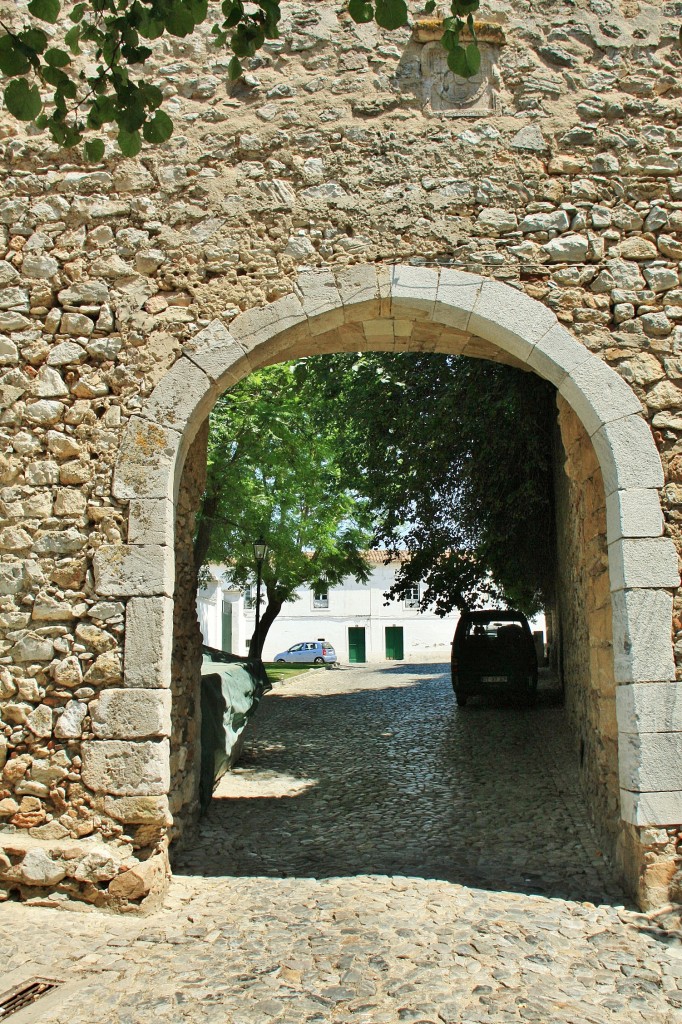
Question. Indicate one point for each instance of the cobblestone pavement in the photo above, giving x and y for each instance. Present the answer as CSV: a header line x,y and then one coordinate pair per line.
x,y
381,856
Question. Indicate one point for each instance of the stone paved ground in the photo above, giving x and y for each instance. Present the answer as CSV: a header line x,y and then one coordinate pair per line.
x,y
381,856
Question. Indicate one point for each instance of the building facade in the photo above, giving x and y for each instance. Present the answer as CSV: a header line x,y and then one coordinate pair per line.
x,y
354,617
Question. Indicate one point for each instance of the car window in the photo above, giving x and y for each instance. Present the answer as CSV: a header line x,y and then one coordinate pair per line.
x,y
296,647
310,647
493,629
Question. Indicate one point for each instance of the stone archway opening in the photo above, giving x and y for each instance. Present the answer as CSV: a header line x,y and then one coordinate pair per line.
x,y
247,816
629,726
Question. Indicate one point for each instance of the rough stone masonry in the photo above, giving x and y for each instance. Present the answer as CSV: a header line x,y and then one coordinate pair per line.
x,y
555,171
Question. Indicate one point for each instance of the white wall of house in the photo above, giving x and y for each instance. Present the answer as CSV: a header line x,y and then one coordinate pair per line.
x,y
227,618
361,606
350,605
212,608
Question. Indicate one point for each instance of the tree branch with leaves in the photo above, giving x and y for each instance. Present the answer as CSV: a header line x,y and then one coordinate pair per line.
x,y
455,456
54,85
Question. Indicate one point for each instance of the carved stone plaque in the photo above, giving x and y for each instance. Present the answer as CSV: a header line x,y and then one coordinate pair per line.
x,y
447,93
423,71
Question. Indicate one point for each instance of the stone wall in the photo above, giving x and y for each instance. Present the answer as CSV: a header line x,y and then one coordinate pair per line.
x,y
649,858
186,670
584,615
558,172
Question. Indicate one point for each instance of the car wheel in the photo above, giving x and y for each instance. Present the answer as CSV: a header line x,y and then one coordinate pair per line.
x,y
319,661
460,699
280,661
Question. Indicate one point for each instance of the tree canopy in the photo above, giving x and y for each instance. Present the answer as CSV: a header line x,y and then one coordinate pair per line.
x,y
447,457
455,457
79,100
273,470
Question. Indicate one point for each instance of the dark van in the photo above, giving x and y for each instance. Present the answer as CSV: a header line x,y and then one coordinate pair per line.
x,y
494,652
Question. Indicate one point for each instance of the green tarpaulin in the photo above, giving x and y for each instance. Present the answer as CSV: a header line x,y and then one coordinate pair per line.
x,y
231,688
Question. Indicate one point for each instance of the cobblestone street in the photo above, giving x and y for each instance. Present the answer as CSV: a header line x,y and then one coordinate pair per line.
x,y
379,856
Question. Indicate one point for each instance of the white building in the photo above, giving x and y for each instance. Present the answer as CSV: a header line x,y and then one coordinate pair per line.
x,y
354,617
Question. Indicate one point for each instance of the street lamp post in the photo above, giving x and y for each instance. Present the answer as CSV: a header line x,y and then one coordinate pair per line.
x,y
260,549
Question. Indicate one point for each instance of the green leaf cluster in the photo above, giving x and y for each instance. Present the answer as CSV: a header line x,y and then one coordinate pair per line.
x,y
79,103
389,14
245,29
464,61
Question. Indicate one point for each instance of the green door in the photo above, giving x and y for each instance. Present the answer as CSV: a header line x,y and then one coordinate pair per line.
x,y
394,643
226,637
356,644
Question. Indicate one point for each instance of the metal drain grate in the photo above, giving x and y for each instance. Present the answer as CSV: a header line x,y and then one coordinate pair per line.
x,y
21,996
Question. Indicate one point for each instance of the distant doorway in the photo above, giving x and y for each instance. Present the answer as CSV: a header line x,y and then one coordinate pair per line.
x,y
394,643
357,651
226,637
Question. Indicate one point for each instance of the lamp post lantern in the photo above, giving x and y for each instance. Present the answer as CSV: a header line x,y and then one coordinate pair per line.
x,y
260,550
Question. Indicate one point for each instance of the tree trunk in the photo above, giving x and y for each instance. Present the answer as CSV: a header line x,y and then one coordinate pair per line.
x,y
202,540
272,610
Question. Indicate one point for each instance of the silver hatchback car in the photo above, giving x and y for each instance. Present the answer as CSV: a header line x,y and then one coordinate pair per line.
x,y
317,652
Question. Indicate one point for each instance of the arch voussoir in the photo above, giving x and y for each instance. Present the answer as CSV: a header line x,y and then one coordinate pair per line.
x,y
457,294
643,562
320,301
627,454
185,392
510,319
556,355
413,292
360,290
598,395
642,648
217,352
635,512
144,468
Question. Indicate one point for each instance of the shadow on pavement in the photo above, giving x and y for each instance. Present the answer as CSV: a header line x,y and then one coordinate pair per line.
x,y
426,668
664,925
396,780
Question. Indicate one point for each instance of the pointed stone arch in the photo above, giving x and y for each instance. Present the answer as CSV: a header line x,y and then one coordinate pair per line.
x,y
418,309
